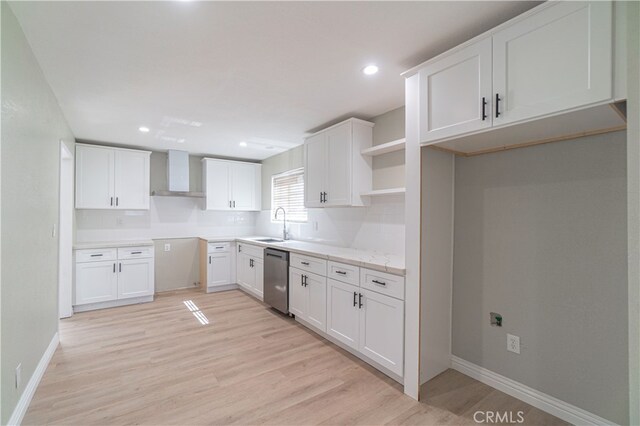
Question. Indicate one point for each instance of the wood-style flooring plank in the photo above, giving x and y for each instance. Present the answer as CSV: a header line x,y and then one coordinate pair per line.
x,y
156,364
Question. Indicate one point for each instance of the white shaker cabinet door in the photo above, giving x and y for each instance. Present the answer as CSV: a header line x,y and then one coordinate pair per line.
x,y
135,278
382,330
316,292
455,93
95,177
217,184
132,180
243,186
297,294
339,170
343,313
315,171
258,284
219,269
556,59
96,282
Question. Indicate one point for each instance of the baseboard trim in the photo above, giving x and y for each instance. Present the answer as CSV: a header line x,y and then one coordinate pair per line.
x,y
544,402
34,381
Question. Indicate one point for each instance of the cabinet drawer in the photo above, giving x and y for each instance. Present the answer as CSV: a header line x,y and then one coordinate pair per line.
x,y
95,255
381,282
135,252
253,251
309,264
219,247
342,272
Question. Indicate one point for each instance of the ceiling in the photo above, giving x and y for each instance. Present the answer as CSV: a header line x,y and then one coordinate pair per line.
x,y
206,76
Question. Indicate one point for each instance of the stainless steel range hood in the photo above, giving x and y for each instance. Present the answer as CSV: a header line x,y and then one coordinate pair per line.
x,y
178,176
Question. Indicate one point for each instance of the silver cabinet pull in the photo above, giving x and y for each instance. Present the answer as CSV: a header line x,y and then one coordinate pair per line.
x,y
96,255
116,201
111,203
341,272
209,260
378,282
220,247
114,268
305,263
136,252
120,267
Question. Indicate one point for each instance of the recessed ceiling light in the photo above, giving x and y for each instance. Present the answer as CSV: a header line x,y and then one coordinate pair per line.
x,y
243,144
370,69
143,129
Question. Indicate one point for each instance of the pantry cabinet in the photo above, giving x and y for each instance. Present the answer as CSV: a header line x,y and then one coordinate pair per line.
x,y
112,178
336,173
232,185
555,59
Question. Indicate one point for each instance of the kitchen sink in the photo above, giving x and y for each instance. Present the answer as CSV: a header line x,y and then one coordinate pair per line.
x,y
268,240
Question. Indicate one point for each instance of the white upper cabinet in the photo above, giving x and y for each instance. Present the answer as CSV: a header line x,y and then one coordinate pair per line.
x,y
557,59
111,178
232,185
335,171
132,179
457,92
554,59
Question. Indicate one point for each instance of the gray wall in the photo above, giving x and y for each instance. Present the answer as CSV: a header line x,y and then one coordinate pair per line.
x,y
179,267
32,126
541,238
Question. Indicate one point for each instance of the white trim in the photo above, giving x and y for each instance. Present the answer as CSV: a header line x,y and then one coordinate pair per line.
x,y
544,402
34,381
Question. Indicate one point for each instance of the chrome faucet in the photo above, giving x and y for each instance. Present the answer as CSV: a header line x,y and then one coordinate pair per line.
x,y
285,234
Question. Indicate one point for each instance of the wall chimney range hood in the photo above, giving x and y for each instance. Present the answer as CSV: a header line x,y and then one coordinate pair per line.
x,y
178,176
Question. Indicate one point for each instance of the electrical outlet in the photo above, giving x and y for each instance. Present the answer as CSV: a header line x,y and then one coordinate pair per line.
x,y
167,247
513,343
19,376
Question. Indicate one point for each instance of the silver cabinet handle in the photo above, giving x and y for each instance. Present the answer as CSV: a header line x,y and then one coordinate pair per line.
x,y
96,255
341,272
136,252
120,267
116,201
114,268
220,247
378,282
209,260
111,203
305,263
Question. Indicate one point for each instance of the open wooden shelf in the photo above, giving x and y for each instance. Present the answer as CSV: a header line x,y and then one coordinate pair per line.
x,y
384,148
380,192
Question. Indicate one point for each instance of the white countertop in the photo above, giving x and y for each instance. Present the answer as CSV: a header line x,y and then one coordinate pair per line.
x,y
378,261
108,244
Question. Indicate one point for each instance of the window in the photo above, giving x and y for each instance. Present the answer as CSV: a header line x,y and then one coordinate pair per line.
x,y
287,191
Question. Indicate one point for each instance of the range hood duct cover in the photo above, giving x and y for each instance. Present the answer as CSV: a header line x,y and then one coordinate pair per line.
x,y
178,176
178,171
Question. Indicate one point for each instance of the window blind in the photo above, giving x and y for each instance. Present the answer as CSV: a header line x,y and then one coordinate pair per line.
x,y
287,191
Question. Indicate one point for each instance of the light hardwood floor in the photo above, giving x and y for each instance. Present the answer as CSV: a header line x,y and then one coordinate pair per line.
x,y
157,364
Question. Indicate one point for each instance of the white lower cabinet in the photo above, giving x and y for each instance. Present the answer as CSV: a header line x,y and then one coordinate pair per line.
x,y
343,315
369,322
96,282
381,336
308,297
219,269
105,276
250,269
358,308
135,278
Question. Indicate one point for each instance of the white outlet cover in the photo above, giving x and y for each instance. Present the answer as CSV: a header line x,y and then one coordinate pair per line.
x,y
167,247
513,343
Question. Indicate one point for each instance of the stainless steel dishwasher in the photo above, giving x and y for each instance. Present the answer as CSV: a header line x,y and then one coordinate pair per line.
x,y
276,279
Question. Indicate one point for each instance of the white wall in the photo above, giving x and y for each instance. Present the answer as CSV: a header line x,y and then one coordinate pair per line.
x,y
379,227
167,217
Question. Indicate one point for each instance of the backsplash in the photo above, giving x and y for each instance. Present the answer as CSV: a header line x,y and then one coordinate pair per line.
x,y
378,227
167,217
